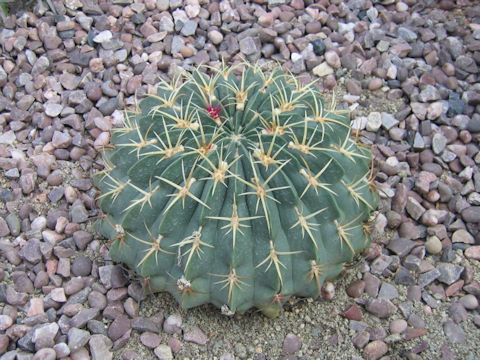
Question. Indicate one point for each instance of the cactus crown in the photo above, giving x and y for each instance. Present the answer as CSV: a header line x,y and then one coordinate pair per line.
x,y
237,191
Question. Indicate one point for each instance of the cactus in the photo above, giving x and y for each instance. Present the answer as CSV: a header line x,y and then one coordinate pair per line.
x,y
240,191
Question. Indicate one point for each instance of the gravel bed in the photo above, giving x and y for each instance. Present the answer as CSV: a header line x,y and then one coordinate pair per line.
x,y
408,72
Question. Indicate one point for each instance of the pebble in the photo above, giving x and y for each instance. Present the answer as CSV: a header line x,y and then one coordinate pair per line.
x,y
473,252
375,350
215,37
398,326
196,336
356,288
44,336
163,352
77,338
454,333
322,70
5,322
103,36
374,121
100,346
449,273
291,344
118,327
433,245
81,266
150,340
173,324
457,312
381,308
469,301
45,354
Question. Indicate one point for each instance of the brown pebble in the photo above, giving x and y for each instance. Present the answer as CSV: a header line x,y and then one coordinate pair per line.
x,y
150,340
375,350
375,84
353,312
187,51
356,288
330,82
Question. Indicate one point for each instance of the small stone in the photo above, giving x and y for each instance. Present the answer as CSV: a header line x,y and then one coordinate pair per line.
x,y
82,239
189,28
150,340
454,333
173,324
177,44
118,327
319,47
353,312
100,346
248,46
457,312
61,140
374,121
381,308
44,336
146,324
372,284
429,93
398,326
196,336
163,352
133,84
292,344
81,319
5,322
388,291
97,300
439,142
375,350
44,354
322,70
4,341
356,288
52,110
375,84
414,208
82,266
449,273
428,277
473,252
58,295
31,251
77,338
78,212
361,339
469,301
27,182
434,110
462,236
332,59
103,36
388,121
215,37
401,246
433,245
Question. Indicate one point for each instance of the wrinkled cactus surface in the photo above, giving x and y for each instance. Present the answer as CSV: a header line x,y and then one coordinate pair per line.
x,y
236,190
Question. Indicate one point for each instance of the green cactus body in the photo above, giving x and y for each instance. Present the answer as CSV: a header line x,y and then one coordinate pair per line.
x,y
236,191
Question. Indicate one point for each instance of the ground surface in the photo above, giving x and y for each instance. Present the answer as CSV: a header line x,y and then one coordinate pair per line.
x,y
408,71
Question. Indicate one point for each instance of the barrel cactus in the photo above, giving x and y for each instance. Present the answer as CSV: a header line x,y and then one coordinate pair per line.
x,y
236,190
